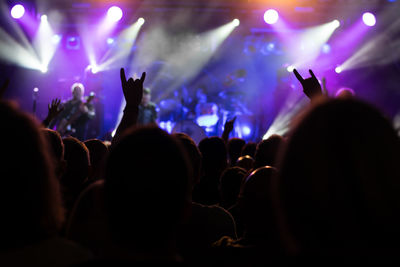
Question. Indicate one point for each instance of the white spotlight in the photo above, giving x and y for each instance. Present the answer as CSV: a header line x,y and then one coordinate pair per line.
x,y
336,23
141,21
290,68
236,22
43,18
338,69
44,69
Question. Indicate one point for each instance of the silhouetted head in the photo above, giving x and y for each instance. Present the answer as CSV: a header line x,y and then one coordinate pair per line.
x,y
214,154
340,179
57,150
30,198
235,146
255,201
77,157
193,153
230,182
97,153
147,188
345,93
249,149
267,151
245,162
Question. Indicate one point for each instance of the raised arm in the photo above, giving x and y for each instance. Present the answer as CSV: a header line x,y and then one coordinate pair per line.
x,y
228,127
311,86
53,110
133,92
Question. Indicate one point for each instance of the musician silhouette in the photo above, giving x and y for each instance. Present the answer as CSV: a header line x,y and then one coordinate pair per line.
x,y
77,112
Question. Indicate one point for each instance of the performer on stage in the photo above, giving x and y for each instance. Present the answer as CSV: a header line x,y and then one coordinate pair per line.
x,y
147,109
74,118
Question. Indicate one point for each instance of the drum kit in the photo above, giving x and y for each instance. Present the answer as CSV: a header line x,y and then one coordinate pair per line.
x,y
204,119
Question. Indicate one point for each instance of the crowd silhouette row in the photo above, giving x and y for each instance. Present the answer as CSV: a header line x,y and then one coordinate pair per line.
x,y
327,192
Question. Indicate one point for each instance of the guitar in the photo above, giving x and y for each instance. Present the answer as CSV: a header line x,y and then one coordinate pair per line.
x,y
65,124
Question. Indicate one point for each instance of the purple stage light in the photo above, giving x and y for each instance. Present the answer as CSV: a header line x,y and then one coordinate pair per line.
x,y
114,13
17,11
326,49
369,19
271,16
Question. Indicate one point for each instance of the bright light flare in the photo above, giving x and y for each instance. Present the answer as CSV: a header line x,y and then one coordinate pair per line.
x,y
336,23
369,19
338,69
17,11
44,69
290,68
46,43
271,16
308,44
236,22
114,13
122,47
141,21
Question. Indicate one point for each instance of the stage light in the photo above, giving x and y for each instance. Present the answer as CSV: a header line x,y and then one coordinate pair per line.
x,y
141,21
94,69
338,69
236,22
114,13
73,43
290,68
110,41
369,19
56,38
44,69
336,23
246,131
17,11
35,90
271,16
326,48
43,18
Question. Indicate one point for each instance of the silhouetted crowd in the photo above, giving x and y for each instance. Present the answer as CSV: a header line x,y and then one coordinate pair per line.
x,y
327,192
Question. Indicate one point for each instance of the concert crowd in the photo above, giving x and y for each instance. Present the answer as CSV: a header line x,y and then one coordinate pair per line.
x,y
326,192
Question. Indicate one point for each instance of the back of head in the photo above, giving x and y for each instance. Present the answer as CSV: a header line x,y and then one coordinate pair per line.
x,y
249,149
230,182
146,188
345,93
56,144
235,146
193,153
267,151
255,197
97,153
29,195
214,154
340,178
246,162
78,161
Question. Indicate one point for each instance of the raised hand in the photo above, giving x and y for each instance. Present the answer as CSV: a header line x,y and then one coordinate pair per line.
x,y
53,111
229,125
311,86
133,89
